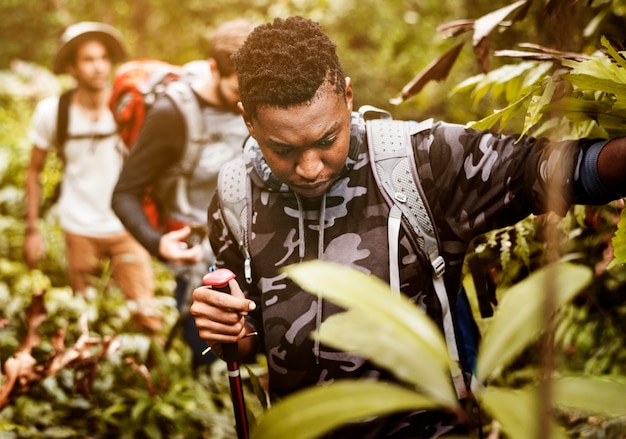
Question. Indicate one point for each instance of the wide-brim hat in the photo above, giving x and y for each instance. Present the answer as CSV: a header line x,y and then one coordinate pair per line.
x,y
77,33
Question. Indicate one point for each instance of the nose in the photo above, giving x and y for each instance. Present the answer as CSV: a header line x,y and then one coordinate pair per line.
x,y
102,65
309,165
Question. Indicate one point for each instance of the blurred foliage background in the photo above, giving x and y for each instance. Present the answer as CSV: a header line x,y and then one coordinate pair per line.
x,y
383,46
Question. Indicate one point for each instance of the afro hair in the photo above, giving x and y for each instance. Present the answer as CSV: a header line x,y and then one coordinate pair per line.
x,y
284,63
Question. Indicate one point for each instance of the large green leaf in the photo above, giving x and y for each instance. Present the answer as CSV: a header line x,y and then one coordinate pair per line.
x,y
391,347
385,327
517,411
520,315
317,410
602,395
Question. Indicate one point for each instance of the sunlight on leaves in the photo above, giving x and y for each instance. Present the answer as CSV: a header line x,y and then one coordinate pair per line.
x,y
517,411
391,347
379,321
386,322
603,395
317,410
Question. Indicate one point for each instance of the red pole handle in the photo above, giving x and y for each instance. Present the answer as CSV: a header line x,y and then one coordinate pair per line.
x,y
218,279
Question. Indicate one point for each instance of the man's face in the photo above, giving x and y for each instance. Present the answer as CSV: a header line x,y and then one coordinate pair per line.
x,y
306,145
92,66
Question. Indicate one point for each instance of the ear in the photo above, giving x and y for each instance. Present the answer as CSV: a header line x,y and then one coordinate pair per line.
x,y
213,66
349,93
246,119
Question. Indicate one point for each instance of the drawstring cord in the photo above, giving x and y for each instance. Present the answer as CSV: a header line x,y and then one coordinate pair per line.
x,y
320,255
300,229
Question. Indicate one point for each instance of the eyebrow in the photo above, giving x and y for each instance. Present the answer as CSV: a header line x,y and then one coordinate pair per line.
x,y
278,144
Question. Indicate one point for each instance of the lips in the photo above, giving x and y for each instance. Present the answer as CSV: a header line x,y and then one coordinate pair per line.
x,y
311,190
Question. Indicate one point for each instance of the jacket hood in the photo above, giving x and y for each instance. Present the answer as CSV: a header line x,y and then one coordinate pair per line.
x,y
262,176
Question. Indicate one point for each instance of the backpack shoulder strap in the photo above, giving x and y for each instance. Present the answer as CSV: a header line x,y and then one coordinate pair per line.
x,y
233,194
393,164
184,98
63,120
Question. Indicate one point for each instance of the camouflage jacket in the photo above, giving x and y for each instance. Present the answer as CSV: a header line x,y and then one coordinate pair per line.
x,y
474,182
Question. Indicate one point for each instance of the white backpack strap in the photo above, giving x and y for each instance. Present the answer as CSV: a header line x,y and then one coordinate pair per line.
x,y
393,162
232,191
182,95
394,223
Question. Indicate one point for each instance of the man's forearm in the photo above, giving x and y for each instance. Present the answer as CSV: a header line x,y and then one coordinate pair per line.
x,y
129,209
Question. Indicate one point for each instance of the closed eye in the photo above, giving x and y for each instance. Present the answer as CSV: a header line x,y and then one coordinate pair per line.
x,y
327,142
283,152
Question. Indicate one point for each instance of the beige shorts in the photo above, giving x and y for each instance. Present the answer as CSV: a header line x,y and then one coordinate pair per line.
x,y
130,263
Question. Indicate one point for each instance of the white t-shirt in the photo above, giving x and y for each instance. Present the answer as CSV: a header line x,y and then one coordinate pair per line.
x,y
92,167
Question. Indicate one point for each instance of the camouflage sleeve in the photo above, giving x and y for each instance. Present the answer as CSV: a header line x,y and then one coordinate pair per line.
x,y
477,181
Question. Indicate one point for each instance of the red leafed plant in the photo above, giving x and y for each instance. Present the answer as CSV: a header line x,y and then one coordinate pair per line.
x,y
21,371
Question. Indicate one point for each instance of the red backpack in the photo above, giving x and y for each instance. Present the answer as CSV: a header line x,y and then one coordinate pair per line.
x,y
136,87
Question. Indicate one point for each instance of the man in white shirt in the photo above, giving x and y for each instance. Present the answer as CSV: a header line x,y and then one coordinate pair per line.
x,y
93,154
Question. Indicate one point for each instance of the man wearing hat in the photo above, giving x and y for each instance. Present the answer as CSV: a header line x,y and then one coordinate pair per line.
x,y
92,153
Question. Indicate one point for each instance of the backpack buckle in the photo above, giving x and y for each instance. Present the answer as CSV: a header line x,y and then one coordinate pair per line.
x,y
439,265
399,196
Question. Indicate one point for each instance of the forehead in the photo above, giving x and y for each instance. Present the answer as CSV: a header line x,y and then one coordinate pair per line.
x,y
90,47
307,122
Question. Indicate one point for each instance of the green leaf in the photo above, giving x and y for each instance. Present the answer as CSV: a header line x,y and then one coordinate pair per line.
x,y
616,56
318,410
619,241
391,347
600,395
520,315
577,109
589,82
517,411
385,327
503,115
596,67
537,106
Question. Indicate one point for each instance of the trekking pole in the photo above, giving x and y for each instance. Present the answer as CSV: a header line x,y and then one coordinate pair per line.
x,y
218,280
